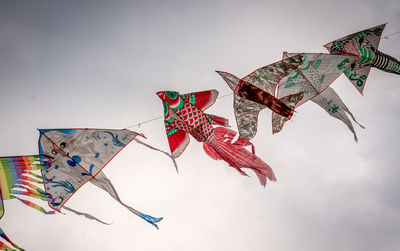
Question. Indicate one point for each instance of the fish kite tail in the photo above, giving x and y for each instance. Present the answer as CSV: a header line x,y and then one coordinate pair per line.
x,y
221,147
386,63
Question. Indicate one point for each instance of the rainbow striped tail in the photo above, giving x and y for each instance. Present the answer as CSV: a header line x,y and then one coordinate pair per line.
x,y
4,246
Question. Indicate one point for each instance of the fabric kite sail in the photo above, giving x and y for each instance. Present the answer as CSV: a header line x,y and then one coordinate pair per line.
x,y
312,79
18,178
184,115
78,156
363,44
256,91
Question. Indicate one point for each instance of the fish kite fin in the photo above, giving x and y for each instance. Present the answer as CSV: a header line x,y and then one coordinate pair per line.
x,y
178,140
230,79
217,120
278,121
202,99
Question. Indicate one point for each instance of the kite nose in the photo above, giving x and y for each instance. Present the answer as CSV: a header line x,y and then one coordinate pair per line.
x,y
161,95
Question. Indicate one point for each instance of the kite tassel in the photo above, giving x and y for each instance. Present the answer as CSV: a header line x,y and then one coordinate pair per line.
x,y
221,147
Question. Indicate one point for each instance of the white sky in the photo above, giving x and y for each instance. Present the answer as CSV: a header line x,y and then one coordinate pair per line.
x,y
67,64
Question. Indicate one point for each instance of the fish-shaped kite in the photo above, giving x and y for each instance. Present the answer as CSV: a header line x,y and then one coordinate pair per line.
x,y
312,79
256,91
78,156
363,44
184,115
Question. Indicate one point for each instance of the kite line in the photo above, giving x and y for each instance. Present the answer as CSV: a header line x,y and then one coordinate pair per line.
x,y
394,33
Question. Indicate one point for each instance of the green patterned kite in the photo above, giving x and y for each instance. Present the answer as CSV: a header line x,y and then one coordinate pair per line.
x,y
364,44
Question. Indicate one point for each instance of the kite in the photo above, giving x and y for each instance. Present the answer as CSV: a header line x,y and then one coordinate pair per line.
x,y
78,156
363,44
256,91
18,177
68,159
312,79
184,115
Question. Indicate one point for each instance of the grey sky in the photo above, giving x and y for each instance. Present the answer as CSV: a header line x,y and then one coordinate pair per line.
x,y
99,63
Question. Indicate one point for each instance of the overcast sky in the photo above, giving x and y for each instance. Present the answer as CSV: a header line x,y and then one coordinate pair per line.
x,y
98,64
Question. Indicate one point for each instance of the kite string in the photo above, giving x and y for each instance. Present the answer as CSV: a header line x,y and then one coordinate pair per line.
x,y
144,122
160,117
394,33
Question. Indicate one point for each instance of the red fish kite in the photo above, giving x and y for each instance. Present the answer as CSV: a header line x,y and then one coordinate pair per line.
x,y
184,115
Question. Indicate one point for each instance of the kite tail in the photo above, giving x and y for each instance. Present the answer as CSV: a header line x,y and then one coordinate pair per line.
x,y
3,246
344,108
104,183
150,219
156,149
221,147
354,119
89,216
33,205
